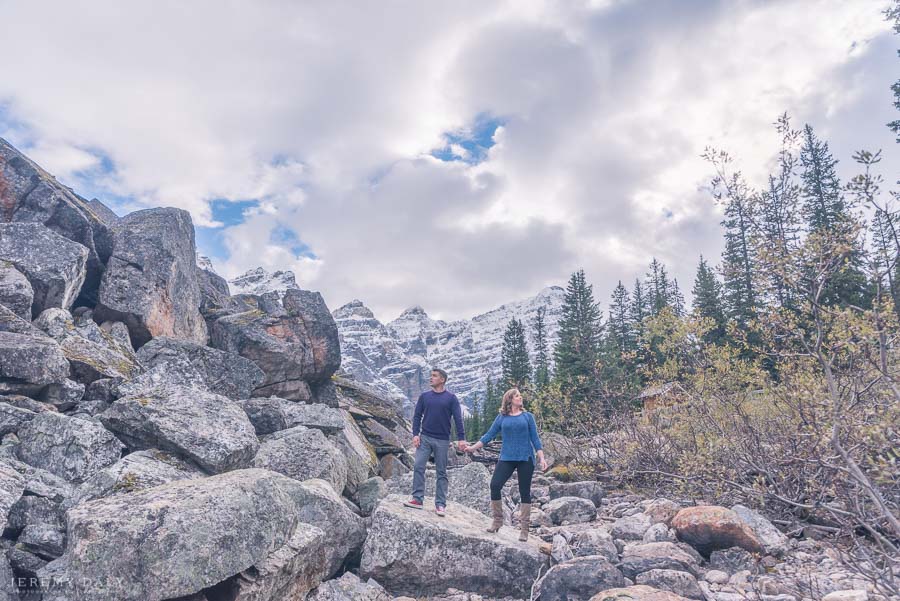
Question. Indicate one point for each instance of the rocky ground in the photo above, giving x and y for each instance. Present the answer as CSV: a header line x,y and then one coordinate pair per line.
x,y
165,440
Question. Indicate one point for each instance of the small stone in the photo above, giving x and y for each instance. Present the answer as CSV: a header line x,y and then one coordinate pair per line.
x,y
850,595
716,577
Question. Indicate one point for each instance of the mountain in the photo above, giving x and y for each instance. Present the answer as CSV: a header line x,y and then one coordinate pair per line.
x,y
397,357
260,281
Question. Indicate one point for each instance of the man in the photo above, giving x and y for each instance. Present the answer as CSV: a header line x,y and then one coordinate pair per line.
x,y
431,435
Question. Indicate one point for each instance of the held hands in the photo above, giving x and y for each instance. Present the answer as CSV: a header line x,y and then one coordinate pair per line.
x,y
472,448
463,446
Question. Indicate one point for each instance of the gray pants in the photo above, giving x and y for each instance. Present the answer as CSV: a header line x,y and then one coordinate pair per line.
x,y
427,447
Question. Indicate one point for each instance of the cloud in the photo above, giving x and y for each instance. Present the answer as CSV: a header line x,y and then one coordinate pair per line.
x,y
327,124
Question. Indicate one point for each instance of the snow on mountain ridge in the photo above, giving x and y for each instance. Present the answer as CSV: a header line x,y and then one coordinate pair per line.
x,y
260,281
399,355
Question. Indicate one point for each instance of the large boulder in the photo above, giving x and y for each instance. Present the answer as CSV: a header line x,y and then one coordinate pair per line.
x,y
173,540
774,541
54,266
469,486
15,290
570,510
578,579
294,342
362,461
31,195
710,527
134,472
150,282
303,453
223,373
93,353
29,364
70,447
588,489
289,572
641,558
594,542
631,527
638,592
408,550
10,322
274,414
12,485
13,418
318,504
207,428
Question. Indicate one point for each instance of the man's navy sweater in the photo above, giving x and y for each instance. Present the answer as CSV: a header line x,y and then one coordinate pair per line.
x,y
433,413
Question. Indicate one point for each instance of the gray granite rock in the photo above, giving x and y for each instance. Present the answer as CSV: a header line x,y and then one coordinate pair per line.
x,y
595,542
150,282
134,472
676,581
408,550
370,494
69,447
12,485
631,527
34,196
28,364
578,579
223,373
207,428
54,266
571,510
176,539
12,418
15,290
93,353
349,588
644,557
303,453
774,542
293,342
589,489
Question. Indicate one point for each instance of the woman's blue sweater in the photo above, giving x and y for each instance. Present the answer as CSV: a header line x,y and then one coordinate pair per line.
x,y
519,436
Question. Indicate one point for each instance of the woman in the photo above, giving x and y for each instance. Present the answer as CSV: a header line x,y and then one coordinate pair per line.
x,y
520,441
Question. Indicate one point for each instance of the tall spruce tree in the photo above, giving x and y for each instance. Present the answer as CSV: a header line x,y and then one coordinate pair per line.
x,y
659,286
514,360
619,325
893,14
638,310
829,215
739,259
578,349
707,294
541,351
779,220
676,298
490,407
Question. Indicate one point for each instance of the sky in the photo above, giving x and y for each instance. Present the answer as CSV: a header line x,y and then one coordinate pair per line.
x,y
455,156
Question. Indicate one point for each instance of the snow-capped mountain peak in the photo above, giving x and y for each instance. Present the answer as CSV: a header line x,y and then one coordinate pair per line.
x,y
260,281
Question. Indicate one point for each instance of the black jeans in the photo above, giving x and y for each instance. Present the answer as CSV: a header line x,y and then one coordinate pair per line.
x,y
502,473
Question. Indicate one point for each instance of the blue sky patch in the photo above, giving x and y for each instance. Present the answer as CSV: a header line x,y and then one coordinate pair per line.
x,y
284,236
475,141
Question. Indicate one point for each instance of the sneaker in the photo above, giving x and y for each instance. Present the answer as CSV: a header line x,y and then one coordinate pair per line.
x,y
440,510
414,503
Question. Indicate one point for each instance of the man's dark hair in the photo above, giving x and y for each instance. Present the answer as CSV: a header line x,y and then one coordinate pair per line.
x,y
442,372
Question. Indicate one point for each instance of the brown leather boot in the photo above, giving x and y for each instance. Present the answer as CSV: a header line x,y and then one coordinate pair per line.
x,y
524,521
497,510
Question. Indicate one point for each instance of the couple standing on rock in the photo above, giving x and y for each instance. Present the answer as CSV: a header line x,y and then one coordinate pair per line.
x,y
431,435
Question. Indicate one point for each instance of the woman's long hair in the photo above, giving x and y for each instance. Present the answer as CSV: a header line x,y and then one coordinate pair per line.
x,y
506,403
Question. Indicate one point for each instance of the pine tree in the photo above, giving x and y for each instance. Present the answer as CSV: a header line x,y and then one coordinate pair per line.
x,y
638,311
660,289
829,215
893,14
619,326
491,405
707,294
739,259
779,220
578,349
676,298
514,360
472,424
542,359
